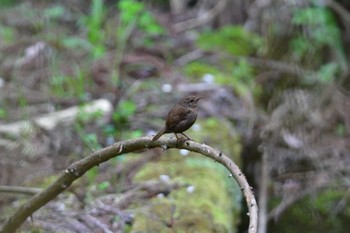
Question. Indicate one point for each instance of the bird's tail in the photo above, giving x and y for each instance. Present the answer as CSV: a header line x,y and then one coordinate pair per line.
x,y
160,133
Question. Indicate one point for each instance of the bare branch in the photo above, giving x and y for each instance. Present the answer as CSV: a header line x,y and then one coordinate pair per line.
x,y
289,201
263,193
202,19
77,169
19,190
338,8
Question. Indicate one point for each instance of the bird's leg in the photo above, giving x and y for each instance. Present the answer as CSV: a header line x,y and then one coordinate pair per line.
x,y
177,139
180,140
186,136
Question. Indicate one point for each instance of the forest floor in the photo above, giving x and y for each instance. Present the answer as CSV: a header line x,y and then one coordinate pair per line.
x,y
52,68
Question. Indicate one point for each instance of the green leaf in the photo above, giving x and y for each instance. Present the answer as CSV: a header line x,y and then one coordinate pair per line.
x,y
136,134
7,34
125,110
323,26
54,12
104,185
328,72
76,43
3,113
92,174
234,40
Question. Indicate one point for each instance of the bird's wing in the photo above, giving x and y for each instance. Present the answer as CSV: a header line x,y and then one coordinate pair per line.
x,y
180,120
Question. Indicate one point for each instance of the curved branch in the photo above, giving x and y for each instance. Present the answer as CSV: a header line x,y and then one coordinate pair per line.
x,y
77,169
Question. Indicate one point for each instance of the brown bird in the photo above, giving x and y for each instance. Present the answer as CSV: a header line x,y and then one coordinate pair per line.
x,y
181,117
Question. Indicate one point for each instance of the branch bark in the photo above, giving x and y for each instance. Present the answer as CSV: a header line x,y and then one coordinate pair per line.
x,y
77,169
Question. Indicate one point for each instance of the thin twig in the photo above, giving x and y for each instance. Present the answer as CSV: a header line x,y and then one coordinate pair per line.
x,y
19,190
344,14
202,18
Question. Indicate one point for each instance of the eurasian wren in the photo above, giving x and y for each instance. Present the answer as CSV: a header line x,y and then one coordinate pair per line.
x,y
181,117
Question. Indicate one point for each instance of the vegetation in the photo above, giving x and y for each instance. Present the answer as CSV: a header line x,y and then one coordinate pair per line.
x,y
276,83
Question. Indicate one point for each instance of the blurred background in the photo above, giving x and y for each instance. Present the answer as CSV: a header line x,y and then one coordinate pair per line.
x,y
77,76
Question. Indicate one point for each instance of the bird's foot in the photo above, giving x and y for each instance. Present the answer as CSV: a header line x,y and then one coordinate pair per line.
x,y
182,140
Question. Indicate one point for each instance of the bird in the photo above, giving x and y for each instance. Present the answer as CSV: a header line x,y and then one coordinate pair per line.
x,y
181,117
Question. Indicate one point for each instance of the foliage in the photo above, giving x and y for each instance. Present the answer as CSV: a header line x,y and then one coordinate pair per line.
x,y
121,120
321,30
321,213
7,3
95,31
103,185
231,40
328,72
54,12
73,42
133,15
7,34
341,130
91,176
124,111
3,113
238,75
234,40
316,39
69,85
89,139
85,117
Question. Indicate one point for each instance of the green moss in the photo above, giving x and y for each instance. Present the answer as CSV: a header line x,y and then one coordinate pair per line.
x,y
211,207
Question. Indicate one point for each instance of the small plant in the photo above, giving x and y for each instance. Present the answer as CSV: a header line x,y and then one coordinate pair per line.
x,y
234,40
321,31
89,139
7,3
3,113
84,117
7,34
124,111
121,118
54,12
133,15
104,185
238,75
328,72
95,28
69,85
91,176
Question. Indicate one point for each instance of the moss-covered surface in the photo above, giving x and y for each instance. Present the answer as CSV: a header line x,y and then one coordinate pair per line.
x,y
211,206
217,133
212,202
